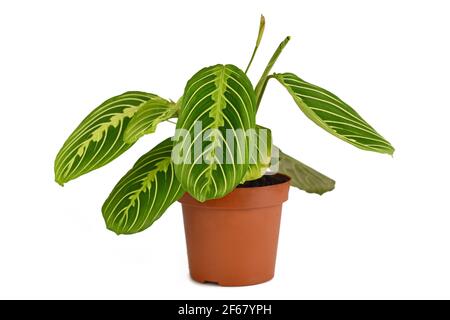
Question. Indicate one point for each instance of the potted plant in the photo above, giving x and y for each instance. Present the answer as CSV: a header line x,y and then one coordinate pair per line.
x,y
216,164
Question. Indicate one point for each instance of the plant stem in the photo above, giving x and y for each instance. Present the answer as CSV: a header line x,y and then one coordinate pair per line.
x,y
262,24
261,85
263,88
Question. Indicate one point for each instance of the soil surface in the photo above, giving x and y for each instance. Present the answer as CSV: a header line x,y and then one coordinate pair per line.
x,y
266,180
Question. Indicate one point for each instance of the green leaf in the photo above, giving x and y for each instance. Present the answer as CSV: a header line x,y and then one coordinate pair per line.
x,y
333,114
99,138
148,117
304,177
217,101
260,153
144,193
262,24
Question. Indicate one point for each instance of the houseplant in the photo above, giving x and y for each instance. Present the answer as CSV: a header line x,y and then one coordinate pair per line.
x,y
215,164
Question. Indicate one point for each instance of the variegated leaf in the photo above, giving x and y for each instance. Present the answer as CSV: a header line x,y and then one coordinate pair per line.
x,y
260,149
217,101
302,176
148,117
99,138
144,193
333,114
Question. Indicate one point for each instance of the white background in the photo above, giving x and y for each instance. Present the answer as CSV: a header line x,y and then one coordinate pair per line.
x,y
383,233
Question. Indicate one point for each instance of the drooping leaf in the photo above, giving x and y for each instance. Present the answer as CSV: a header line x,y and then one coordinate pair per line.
x,y
144,193
148,117
99,138
334,115
218,108
260,150
304,177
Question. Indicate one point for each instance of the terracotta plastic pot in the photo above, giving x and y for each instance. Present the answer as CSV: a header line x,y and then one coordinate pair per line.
x,y
233,241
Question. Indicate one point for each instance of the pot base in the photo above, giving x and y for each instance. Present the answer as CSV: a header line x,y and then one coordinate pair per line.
x,y
229,284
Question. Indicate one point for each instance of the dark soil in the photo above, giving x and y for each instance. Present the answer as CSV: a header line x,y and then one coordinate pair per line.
x,y
266,180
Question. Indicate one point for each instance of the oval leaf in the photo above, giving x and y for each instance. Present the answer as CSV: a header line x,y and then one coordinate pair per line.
x,y
99,138
148,117
218,108
333,114
144,193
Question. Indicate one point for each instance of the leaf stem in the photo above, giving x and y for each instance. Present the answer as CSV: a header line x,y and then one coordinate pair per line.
x,y
261,85
262,24
263,88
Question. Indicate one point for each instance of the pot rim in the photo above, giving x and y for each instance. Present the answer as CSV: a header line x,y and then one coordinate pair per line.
x,y
249,197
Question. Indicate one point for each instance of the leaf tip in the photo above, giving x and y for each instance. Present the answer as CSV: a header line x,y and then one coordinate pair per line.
x,y
388,150
262,21
110,226
321,192
115,231
331,188
391,151
59,181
